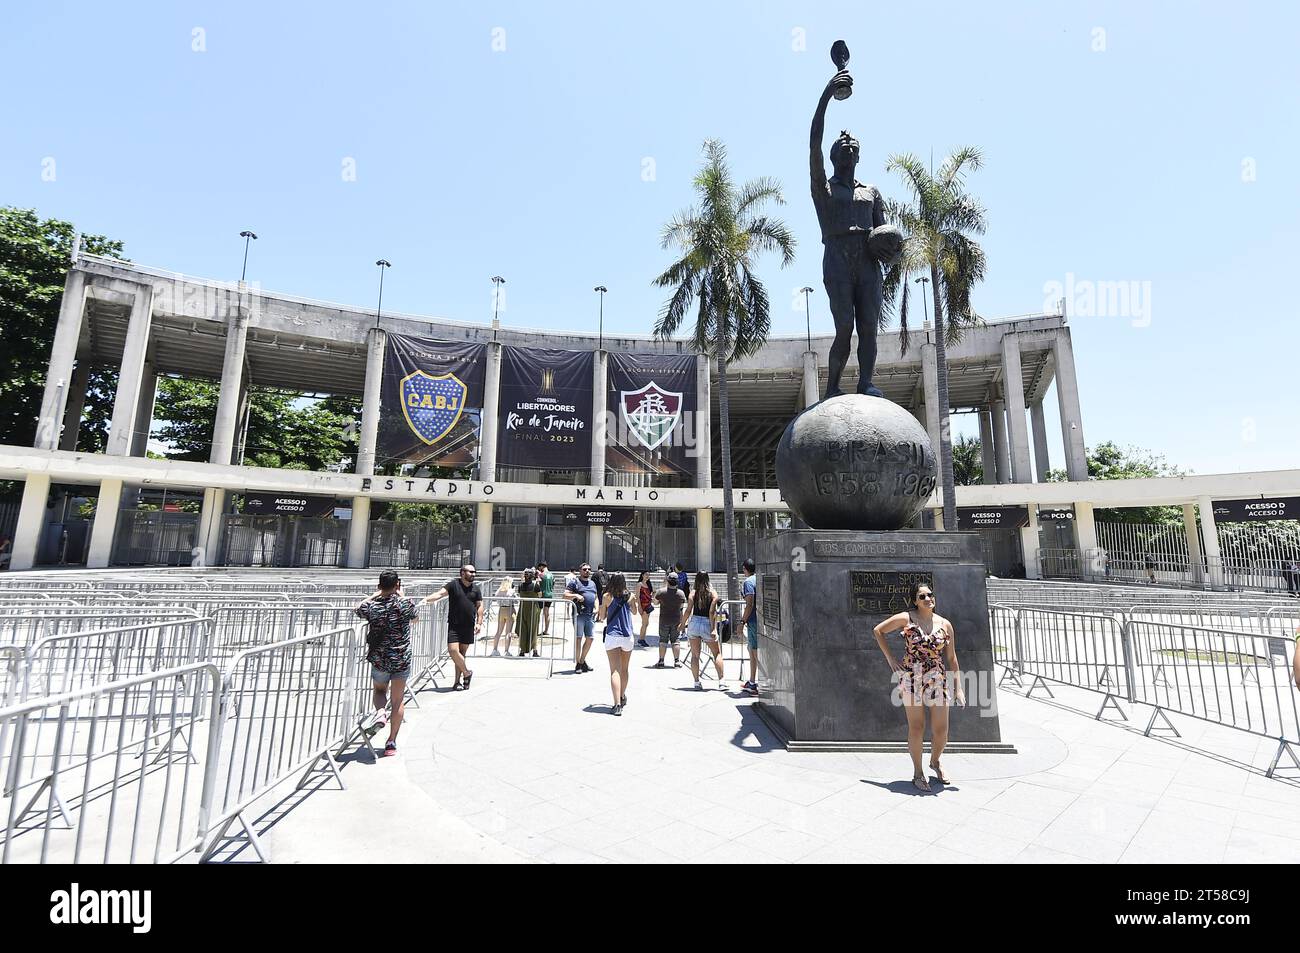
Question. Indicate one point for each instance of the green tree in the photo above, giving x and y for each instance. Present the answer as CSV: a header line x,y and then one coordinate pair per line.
x,y
968,461
718,242
1109,461
940,222
282,432
34,259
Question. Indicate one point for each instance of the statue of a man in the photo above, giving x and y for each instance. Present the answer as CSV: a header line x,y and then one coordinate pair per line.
x,y
858,243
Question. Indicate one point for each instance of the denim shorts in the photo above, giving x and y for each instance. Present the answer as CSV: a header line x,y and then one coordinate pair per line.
x,y
380,677
751,637
584,626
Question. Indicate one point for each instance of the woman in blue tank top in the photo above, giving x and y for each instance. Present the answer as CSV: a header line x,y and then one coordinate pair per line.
x,y
616,611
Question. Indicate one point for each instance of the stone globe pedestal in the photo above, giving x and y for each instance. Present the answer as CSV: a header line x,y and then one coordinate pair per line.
x,y
857,470
855,462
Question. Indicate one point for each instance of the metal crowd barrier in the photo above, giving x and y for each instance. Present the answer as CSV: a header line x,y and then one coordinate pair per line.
x,y
124,758
1232,677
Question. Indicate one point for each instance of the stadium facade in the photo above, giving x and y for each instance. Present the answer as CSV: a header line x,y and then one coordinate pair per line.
x,y
549,444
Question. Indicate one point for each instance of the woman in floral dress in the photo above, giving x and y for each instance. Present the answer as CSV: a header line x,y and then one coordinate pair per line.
x,y
929,676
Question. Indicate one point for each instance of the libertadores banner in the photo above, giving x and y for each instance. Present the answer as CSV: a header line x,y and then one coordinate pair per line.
x,y
431,402
546,406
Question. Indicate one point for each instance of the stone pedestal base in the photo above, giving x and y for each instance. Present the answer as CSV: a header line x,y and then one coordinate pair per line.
x,y
820,594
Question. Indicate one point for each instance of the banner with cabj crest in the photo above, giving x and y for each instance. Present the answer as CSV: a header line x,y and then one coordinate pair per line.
x,y
652,403
431,402
545,417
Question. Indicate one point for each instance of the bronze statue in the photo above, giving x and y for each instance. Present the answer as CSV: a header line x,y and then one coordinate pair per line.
x,y
857,239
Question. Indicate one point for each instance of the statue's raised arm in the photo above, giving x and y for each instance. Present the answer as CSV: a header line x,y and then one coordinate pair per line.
x,y
816,158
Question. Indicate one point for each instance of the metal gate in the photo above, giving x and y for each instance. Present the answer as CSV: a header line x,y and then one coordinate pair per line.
x,y
562,547
414,544
284,541
155,538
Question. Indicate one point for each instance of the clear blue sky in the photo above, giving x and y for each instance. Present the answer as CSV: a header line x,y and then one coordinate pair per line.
x,y
1123,163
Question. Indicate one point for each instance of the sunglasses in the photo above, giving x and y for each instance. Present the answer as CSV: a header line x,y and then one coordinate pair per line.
x,y
925,595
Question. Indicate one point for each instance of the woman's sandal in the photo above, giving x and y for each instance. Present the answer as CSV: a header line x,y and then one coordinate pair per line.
x,y
920,783
938,773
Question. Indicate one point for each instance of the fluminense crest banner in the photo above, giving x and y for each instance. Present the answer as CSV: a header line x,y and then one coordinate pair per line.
x,y
431,402
652,404
545,417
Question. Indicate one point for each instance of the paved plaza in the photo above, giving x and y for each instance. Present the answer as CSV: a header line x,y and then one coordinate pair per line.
x,y
528,768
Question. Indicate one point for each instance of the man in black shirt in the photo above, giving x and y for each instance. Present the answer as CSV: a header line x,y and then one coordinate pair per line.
x,y
464,619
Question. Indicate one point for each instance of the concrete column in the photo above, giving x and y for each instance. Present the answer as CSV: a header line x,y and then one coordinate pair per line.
x,y
704,424
599,400
63,354
31,520
482,535
704,540
225,430
1091,561
938,518
1067,394
811,384
99,553
1001,453
1013,391
376,341
988,454
1038,423
1210,535
144,411
76,403
211,518
1029,544
131,374
1195,563
930,381
487,447
359,533
595,545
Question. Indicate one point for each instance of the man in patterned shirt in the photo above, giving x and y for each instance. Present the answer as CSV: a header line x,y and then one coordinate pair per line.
x,y
389,642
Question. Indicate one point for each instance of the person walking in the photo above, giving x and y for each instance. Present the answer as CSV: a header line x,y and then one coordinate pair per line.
x,y
388,650
683,580
929,676
1150,563
506,605
581,592
548,593
601,579
645,592
1293,577
464,620
749,622
530,613
702,629
616,611
671,602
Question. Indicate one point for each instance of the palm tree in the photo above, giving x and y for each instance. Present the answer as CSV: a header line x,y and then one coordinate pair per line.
x,y
968,461
939,222
718,243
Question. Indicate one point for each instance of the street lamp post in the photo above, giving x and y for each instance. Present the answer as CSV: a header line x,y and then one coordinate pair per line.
x,y
247,236
496,304
925,302
381,264
807,314
600,339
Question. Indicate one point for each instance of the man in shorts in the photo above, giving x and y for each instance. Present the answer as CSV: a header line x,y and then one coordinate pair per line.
x,y
671,602
749,622
464,619
388,646
581,591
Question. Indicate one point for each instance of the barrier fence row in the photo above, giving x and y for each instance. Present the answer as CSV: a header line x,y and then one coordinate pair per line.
x,y
1231,677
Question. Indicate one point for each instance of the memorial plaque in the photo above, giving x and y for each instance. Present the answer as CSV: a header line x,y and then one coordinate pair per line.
x,y
769,590
881,594
853,548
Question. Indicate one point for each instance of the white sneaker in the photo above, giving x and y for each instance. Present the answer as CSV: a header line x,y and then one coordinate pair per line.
x,y
699,687
722,686
495,654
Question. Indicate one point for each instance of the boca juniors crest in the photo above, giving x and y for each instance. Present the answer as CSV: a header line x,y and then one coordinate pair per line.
x,y
651,413
432,404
